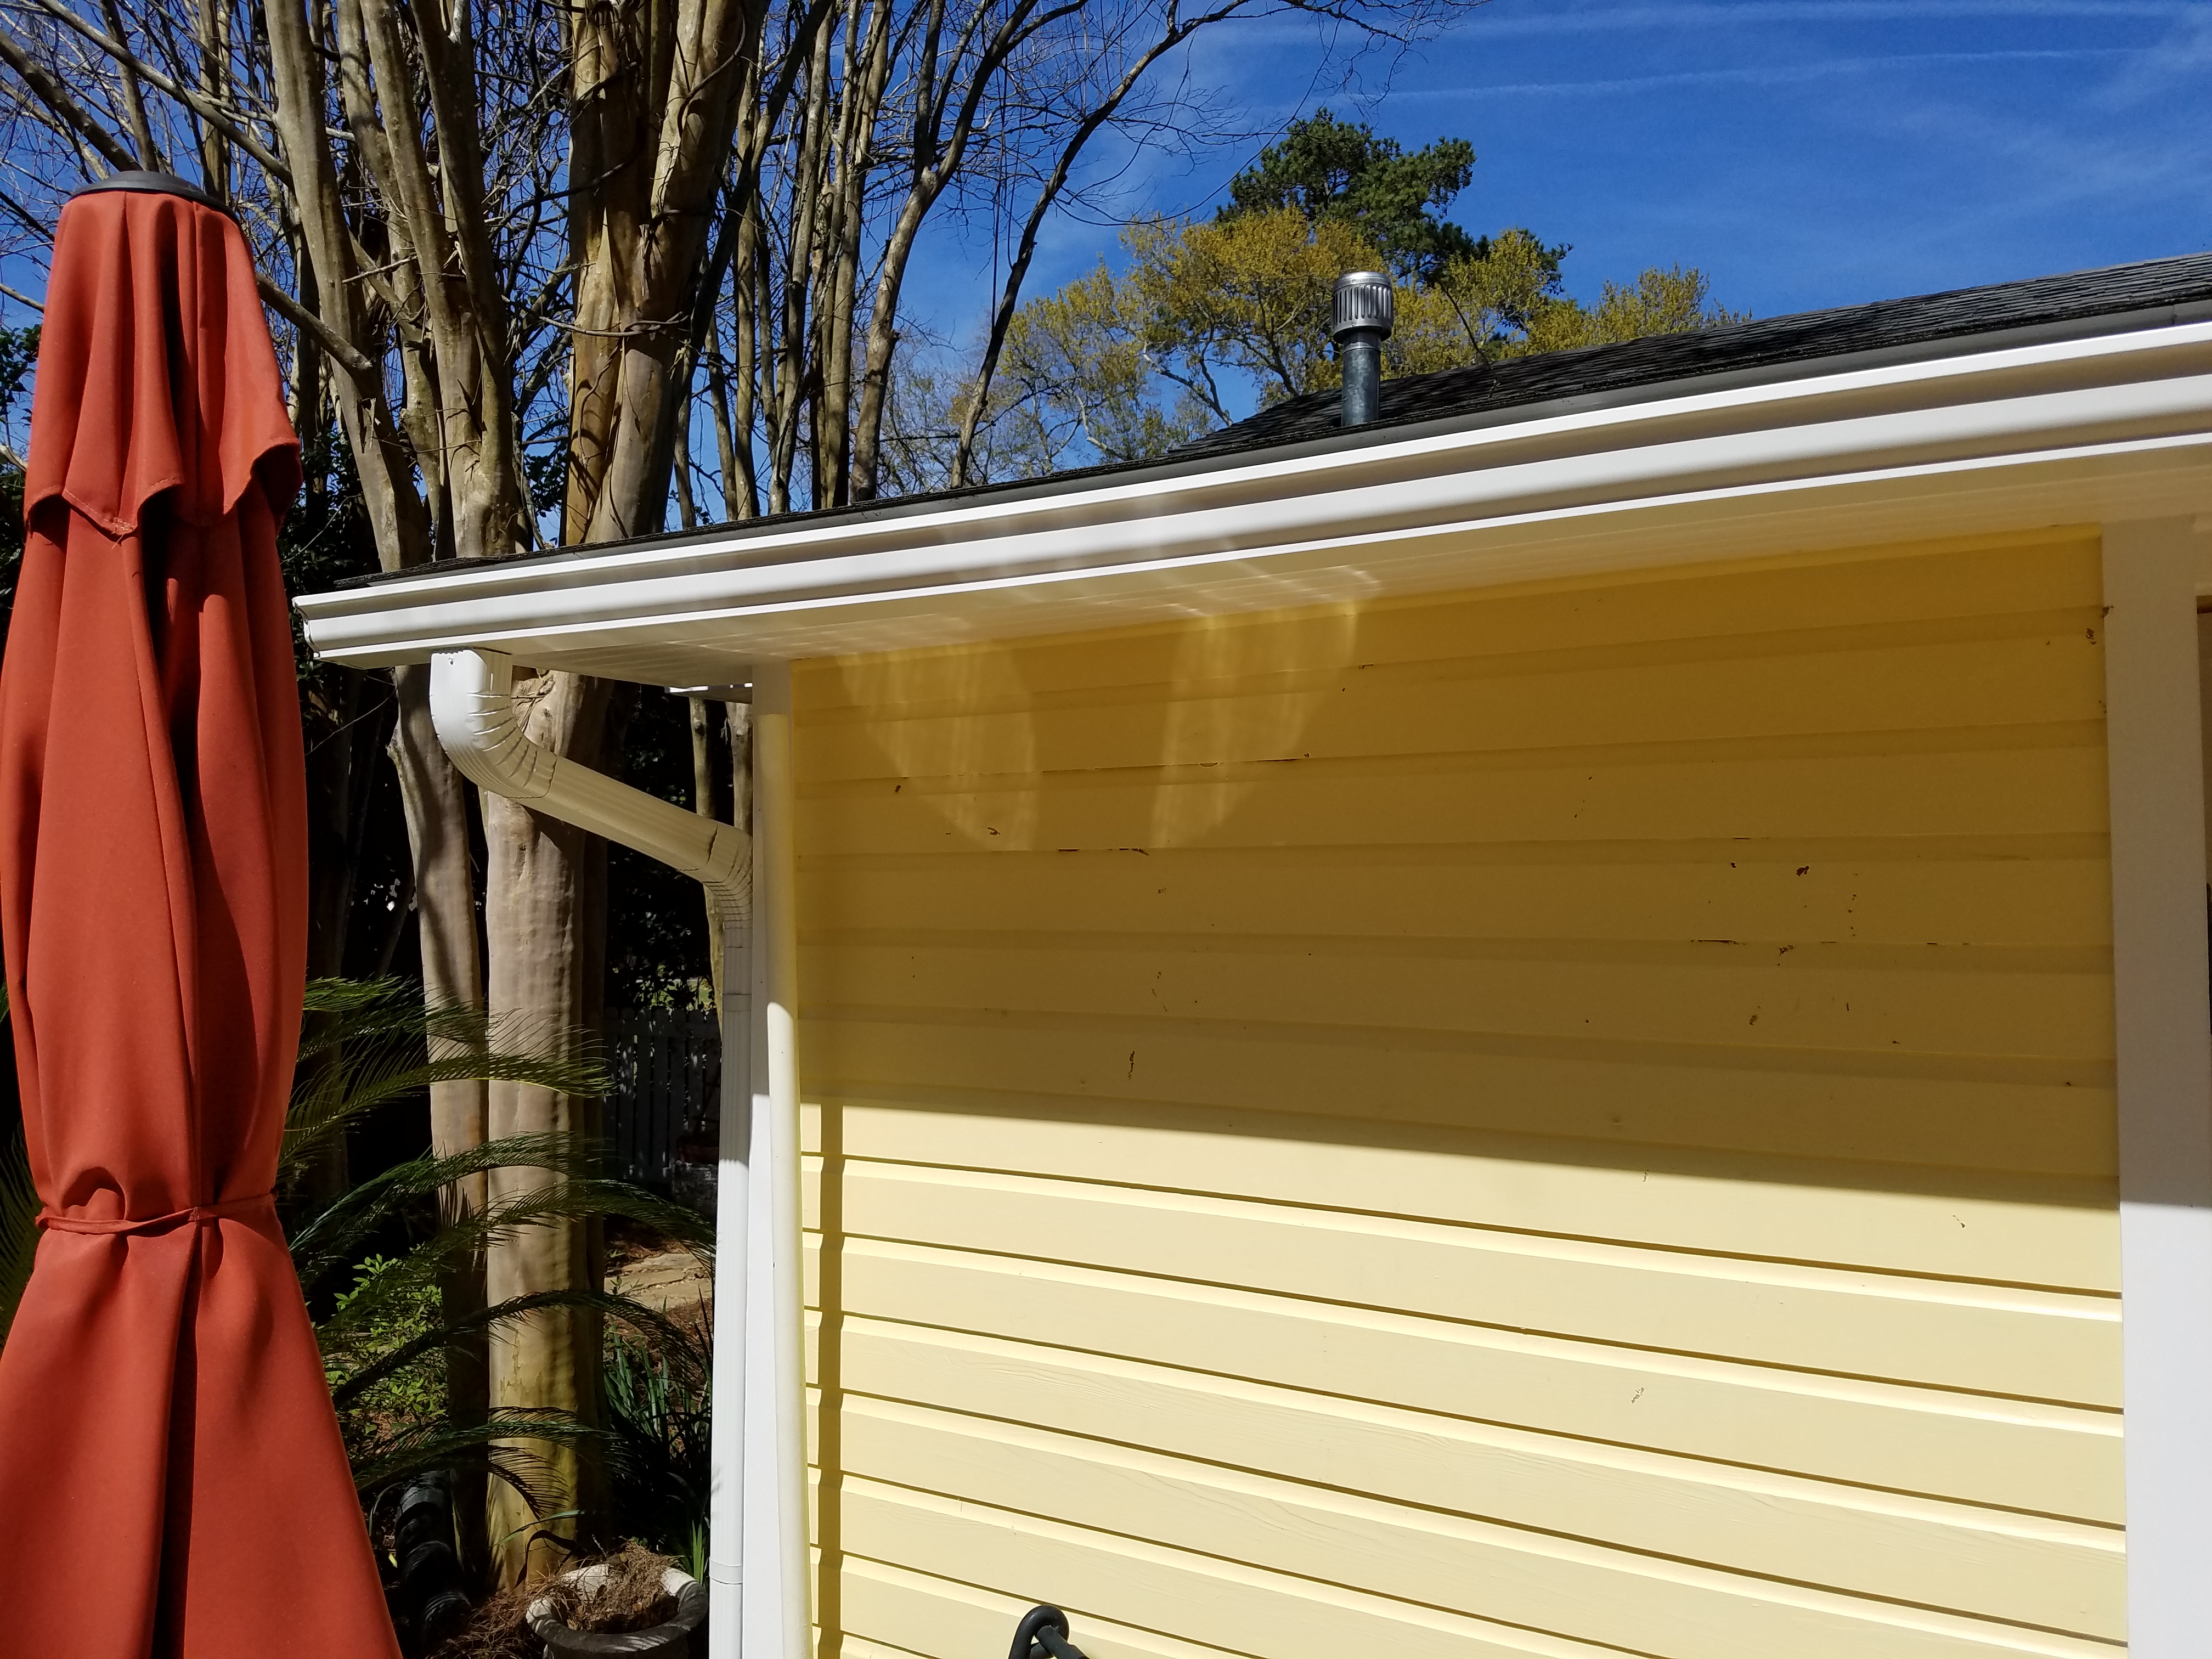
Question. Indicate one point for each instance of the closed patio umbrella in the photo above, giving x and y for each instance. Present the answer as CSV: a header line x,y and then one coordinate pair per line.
x,y
172,1481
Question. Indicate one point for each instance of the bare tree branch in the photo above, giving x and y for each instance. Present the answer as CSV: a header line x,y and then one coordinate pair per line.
x,y
223,120
334,345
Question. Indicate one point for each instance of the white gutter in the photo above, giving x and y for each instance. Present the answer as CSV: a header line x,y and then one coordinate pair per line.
x,y
1508,497
752,1523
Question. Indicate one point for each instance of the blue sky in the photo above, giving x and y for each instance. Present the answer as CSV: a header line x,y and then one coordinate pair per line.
x,y
1804,153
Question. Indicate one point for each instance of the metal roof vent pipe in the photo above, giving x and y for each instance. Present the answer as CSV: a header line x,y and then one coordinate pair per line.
x,y
1361,313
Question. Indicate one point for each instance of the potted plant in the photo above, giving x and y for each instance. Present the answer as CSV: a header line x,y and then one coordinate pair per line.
x,y
636,1604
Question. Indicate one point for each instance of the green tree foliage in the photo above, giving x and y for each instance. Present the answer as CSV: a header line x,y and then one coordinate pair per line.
x,y
19,354
1339,171
1204,318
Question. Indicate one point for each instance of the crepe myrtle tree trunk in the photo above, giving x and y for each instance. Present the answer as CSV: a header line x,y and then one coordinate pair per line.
x,y
434,798
656,86
356,318
545,911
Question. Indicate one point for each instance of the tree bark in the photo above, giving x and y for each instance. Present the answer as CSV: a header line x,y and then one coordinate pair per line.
x,y
433,797
435,800
702,802
546,908
656,88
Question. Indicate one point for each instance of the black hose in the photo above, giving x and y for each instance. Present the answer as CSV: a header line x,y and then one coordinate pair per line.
x,y
429,1593
1042,1634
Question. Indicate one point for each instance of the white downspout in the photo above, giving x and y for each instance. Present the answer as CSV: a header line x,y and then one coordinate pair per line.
x,y
758,1326
776,1379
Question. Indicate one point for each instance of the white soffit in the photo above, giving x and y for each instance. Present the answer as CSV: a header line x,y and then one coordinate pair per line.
x,y
2072,432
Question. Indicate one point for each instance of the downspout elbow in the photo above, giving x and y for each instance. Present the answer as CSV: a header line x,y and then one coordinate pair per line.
x,y
473,709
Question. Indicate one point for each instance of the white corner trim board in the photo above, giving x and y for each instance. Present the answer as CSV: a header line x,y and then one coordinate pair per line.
x,y
1516,495
2164,1073
756,1534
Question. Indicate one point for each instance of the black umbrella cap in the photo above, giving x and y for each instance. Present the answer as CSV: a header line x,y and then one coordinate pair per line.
x,y
154,183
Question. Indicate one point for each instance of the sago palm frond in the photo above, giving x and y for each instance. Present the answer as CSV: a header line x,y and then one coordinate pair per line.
x,y
488,1447
368,1041
666,1332
331,1239
19,1210
510,1215
19,1224
332,1235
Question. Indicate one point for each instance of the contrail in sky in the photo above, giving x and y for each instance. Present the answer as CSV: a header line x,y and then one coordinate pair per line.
x,y
1766,74
1596,19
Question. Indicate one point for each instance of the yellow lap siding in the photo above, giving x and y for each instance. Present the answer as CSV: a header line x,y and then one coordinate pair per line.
x,y
2049,892
1931,999
945,1616
1992,1339
1978,1559
2046,1459
2045,780
2053,1233
2015,1113
1479,1568
2036,676
1293,1616
1558,1122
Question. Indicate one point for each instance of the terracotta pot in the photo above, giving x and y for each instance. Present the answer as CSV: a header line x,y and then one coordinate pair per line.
x,y
670,1641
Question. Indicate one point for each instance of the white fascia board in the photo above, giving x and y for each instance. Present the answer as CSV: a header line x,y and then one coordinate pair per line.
x,y
2040,434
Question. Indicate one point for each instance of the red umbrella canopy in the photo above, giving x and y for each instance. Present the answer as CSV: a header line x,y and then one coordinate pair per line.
x,y
172,1481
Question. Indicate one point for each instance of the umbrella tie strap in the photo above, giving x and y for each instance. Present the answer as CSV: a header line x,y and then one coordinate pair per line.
x,y
229,1208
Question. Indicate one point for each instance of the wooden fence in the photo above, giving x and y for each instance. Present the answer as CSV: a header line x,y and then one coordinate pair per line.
x,y
667,1070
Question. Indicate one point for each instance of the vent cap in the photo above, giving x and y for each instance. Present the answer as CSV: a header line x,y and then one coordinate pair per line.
x,y
1363,300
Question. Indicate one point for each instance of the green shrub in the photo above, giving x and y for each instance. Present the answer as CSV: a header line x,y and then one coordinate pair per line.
x,y
387,1310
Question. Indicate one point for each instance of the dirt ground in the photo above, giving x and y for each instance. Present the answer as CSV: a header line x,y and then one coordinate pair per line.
x,y
661,1274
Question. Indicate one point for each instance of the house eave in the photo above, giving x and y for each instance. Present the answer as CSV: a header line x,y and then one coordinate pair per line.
x,y
2064,431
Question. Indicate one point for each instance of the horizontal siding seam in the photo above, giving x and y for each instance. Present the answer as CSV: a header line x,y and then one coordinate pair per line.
x,y
2029,736
1728,955
1927,1398
1549,1445
1008,1609
1366,1602
2102,1306
1171,1196
2088,1074
1974,628
1400,1136
1435,1519
1460,1322
2066,846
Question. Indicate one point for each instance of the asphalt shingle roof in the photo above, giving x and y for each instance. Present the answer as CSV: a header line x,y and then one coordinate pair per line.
x,y
2115,299
2157,285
